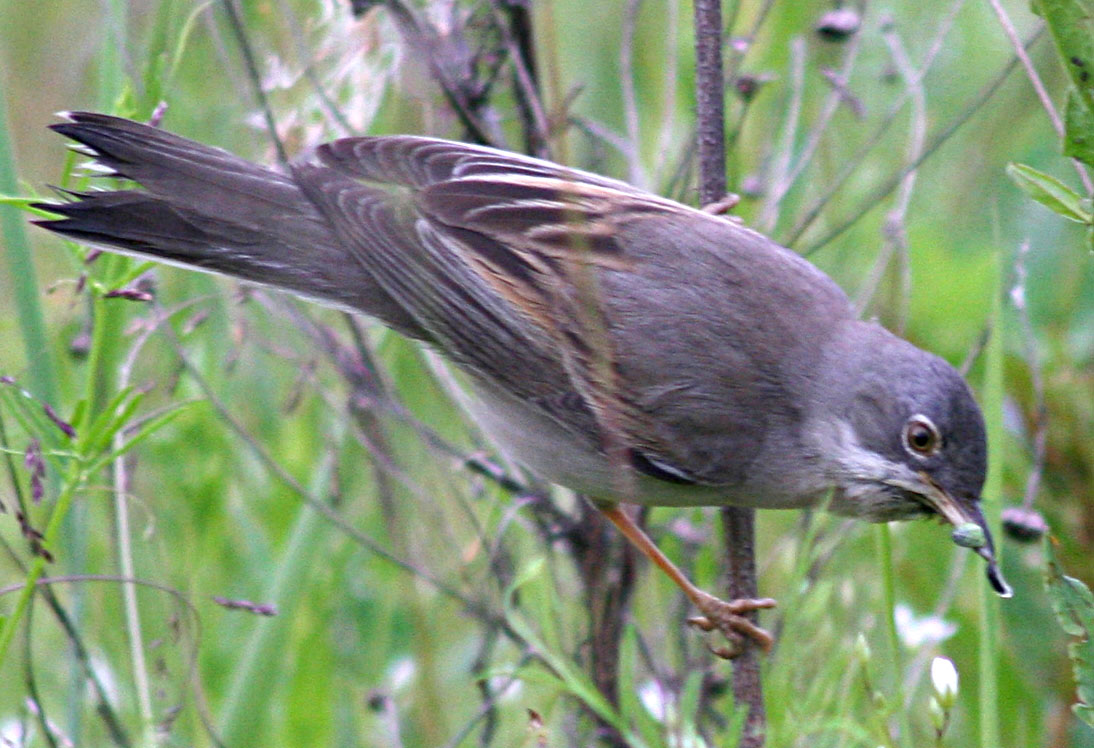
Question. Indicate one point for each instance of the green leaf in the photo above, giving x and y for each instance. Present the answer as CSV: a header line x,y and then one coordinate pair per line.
x,y
145,430
1078,129
132,273
1070,23
112,417
1073,604
30,413
1050,192
24,203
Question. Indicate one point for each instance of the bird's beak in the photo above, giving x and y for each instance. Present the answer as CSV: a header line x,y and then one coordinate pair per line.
x,y
959,513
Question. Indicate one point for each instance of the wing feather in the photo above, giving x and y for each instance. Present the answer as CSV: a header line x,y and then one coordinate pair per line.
x,y
503,259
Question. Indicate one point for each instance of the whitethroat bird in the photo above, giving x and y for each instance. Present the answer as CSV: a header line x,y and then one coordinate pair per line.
x,y
617,343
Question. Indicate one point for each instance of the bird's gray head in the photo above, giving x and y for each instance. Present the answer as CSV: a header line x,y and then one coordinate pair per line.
x,y
905,436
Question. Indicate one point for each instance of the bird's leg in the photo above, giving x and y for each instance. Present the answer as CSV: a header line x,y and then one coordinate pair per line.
x,y
727,617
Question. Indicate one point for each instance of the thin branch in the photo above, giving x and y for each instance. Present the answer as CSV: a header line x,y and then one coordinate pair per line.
x,y
769,214
871,142
635,172
1040,411
893,182
423,38
1038,86
737,523
316,503
103,706
329,106
820,126
710,101
34,697
516,33
895,236
667,128
236,24
117,733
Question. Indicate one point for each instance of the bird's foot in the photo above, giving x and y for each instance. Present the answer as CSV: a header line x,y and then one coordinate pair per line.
x,y
729,619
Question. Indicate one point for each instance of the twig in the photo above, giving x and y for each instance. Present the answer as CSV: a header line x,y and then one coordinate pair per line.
x,y
117,734
710,101
1040,424
769,213
738,527
279,472
636,174
677,186
417,38
489,706
328,105
737,523
667,128
517,35
895,238
1038,86
236,24
820,126
870,143
34,697
887,187
600,131
607,569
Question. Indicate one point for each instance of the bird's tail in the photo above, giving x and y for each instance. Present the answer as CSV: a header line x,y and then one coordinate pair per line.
x,y
205,208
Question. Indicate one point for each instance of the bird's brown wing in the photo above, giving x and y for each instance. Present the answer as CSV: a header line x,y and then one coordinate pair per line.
x,y
498,256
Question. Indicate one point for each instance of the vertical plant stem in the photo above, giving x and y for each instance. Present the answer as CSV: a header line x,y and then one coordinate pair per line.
x,y
737,523
40,373
71,482
124,549
710,101
888,594
738,528
245,714
989,604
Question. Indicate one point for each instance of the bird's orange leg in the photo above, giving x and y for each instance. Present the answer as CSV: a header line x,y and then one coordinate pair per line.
x,y
726,617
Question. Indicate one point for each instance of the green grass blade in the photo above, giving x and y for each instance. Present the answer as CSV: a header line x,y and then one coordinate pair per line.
x,y
249,699
992,402
42,378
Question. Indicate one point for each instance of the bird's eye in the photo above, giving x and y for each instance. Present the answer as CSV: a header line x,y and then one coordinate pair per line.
x,y
921,436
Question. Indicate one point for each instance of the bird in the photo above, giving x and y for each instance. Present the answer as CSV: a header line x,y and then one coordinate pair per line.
x,y
627,346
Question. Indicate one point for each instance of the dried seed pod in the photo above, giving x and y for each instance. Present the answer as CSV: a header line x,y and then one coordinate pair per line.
x,y
837,25
1023,525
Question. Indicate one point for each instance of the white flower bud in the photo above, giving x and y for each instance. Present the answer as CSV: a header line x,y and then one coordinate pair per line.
x,y
944,680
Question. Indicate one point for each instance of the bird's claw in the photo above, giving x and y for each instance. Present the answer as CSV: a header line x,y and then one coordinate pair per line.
x,y
729,619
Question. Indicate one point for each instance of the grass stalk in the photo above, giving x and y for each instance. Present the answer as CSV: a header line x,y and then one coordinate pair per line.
x,y
123,542
992,401
72,480
246,707
884,542
41,377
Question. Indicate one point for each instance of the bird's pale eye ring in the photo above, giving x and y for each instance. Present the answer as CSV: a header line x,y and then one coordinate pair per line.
x,y
921,436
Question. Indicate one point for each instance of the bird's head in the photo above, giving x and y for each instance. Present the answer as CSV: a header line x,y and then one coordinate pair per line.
x,y
906,438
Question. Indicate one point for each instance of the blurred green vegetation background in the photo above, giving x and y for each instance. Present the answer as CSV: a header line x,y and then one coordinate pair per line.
x,y
441,648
